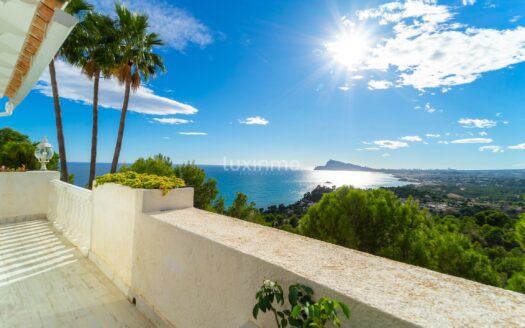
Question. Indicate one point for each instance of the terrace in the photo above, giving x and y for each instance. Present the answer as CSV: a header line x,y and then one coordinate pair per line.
x,y
118,256
122,257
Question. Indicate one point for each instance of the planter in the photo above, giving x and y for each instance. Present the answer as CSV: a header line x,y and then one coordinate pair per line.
x,y
116,209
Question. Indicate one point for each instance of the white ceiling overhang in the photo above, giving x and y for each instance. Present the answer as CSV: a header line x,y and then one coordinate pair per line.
x,y
30,35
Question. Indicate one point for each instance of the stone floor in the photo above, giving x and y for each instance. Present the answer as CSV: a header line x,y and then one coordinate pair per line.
x,y
46,282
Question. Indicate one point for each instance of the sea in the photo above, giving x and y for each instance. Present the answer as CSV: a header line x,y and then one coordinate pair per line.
x,y
266,186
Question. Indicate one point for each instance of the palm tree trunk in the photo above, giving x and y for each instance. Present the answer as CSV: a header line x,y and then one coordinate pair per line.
x,y
118,146
94,131
58,120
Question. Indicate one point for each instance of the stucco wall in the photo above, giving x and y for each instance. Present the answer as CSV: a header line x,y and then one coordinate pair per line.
x,y
25,194
196,268
115,211
71,213
191,268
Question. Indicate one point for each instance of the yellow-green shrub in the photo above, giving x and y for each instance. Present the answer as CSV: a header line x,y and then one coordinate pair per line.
x,y
141,181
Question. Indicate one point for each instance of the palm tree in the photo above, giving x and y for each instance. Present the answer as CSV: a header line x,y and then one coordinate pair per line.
x,y
75,8
136,62
93,49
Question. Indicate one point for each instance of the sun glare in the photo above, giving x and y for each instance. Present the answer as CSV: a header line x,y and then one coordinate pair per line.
x,y
349,49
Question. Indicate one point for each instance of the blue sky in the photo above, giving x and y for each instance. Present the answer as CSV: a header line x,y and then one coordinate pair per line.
x,y
408,84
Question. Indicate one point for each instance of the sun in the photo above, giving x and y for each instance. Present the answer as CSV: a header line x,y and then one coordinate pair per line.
x,y
349,49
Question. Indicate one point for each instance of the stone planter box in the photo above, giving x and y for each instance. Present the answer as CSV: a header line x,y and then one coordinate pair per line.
x,y
116,209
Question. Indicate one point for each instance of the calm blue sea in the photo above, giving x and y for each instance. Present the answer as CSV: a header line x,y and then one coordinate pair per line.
x,y
266,186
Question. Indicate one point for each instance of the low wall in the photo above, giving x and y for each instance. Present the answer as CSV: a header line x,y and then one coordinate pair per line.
x,y
115,211
195,268
71,213
186,267
191,268
24,195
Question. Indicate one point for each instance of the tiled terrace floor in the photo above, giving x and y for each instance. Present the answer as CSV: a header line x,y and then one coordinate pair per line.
x,y
46,282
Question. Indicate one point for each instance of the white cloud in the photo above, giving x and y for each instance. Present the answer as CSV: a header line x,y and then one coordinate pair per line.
x,y
477,123
193,133
498,114
385,155
468,2
177,27
390,144
172,120
517,147
483,133
412,138
73,85
429,108
368,149
344,87
472,141
256,120
443,142
379,85
433,135
494,149
426,48
514,19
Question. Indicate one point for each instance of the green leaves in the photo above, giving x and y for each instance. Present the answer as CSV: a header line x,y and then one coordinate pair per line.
x,y
242,209
159,165
141,181
205,189
305,311
17,152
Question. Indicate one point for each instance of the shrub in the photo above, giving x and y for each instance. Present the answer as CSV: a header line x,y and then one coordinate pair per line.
x,y
7,169
159,165
304,311
205,188
142,181
17,151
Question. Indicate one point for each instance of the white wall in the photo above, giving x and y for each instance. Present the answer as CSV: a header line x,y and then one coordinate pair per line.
x,y
71,213
191,268
25,194
115,211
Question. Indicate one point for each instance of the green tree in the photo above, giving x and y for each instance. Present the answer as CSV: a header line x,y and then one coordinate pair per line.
x,y
373,221
17,150
157,164
520,231
205,189
492,218
76,8
15,154
453,253
218,207
136,61
244,210
92,47
517,282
